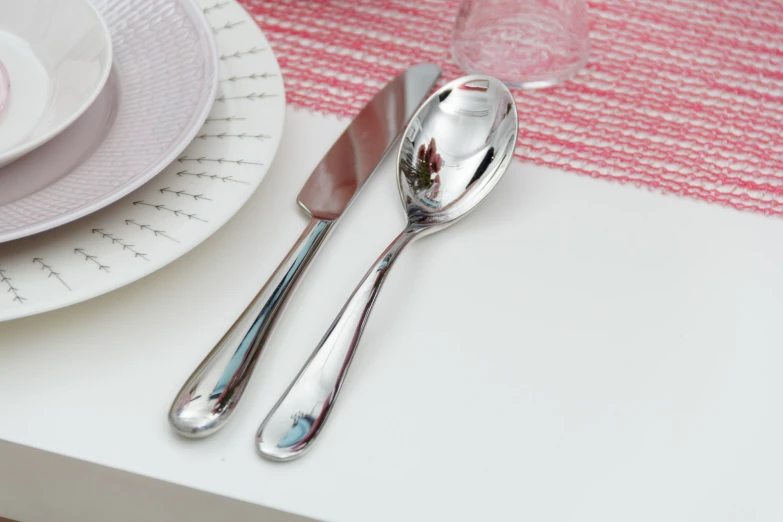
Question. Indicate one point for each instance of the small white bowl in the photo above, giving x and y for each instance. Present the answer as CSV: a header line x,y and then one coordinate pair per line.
x,y
58,55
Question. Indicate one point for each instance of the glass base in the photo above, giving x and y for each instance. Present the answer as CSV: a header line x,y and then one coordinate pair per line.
x,y
530,83
531,51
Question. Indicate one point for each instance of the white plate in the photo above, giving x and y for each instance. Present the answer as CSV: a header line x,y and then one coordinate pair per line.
x,y
191,199
162,85
58,56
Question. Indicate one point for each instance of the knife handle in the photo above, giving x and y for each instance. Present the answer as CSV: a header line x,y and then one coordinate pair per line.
x,y
209,396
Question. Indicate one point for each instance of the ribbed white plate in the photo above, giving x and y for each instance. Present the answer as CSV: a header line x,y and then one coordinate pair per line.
x,y
161,87
178,209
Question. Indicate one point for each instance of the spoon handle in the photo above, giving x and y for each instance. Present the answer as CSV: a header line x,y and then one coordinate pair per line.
x,y
210,395
297,418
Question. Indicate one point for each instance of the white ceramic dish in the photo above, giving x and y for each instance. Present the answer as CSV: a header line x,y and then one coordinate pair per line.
x,y
178,209
160,90
58,55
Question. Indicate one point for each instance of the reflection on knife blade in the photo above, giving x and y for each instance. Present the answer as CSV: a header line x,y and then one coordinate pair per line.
x,y
356,153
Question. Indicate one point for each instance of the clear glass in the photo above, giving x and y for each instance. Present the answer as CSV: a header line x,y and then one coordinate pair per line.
x,y
524,43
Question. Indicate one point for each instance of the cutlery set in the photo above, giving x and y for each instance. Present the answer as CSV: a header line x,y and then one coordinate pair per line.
x,y
453,151
208,398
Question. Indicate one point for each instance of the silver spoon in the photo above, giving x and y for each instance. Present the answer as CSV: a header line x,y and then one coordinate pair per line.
x,y
454,151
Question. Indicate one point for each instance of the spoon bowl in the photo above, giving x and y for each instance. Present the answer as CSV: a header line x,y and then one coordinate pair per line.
x,y
455,150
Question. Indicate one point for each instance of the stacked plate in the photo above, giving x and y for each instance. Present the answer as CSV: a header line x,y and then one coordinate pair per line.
x,y
130,131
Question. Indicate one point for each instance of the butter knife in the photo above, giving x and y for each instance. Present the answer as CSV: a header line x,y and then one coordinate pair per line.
x,y
208,398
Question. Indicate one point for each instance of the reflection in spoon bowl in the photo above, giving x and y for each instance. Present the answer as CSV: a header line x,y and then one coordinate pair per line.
x,y
474,124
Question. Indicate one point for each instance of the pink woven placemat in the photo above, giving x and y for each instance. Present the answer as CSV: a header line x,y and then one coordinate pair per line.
x,y
682,96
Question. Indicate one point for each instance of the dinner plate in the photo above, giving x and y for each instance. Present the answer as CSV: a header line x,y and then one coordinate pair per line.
x,y
58,54
178,209
160,89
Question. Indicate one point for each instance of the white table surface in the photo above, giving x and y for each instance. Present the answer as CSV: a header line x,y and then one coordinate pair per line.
x,y
575,350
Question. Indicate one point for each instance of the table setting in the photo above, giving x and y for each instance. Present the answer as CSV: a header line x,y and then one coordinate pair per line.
x,y
192,191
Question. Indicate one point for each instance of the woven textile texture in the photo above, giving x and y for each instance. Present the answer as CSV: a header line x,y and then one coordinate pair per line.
x,y
682,96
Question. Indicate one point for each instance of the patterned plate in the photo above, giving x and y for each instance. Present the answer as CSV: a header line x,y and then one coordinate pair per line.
x,y
160,89
178,209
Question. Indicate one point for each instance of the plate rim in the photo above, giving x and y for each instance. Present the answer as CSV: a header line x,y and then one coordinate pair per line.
x,y
209,44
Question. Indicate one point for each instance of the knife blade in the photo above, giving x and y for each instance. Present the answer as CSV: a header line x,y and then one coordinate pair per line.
x,y
208,398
